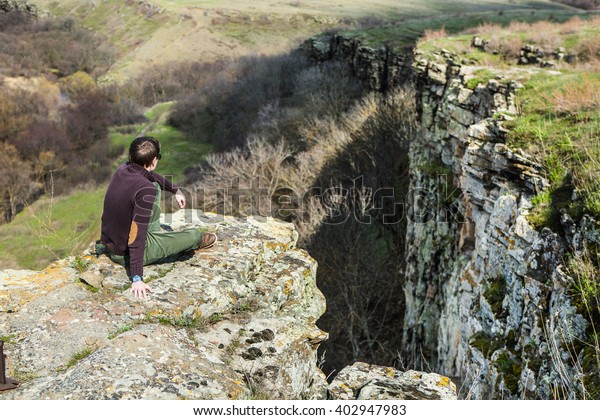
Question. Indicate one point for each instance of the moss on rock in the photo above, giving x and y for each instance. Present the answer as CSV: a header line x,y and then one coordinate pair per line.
x,y
494,293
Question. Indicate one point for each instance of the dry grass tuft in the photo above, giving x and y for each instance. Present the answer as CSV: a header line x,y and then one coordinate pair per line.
x,y
583,95
431,34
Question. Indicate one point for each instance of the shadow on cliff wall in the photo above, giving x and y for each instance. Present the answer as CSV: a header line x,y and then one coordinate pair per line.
x,y
356,142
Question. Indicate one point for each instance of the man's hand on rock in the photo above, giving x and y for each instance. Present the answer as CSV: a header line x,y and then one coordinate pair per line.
x,y
139,289
180,198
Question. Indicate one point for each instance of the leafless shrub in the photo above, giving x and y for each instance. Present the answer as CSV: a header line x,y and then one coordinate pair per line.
x,y
545,34
588,49
15,184
243,181
484,29
36,46
431,34
269,97
373,122
507,47
171,81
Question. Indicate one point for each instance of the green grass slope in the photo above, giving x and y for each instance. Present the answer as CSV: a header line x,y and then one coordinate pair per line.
x,y
558,121
210,30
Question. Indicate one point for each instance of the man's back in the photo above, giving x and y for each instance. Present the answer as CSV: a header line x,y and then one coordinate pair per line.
x,y
128,203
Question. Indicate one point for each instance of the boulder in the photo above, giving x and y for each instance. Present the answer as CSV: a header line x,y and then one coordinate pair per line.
x,y
362,381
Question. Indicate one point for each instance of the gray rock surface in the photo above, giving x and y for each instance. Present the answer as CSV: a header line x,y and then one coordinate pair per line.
x,y
486,295
378,67
18,5
362,381
237,321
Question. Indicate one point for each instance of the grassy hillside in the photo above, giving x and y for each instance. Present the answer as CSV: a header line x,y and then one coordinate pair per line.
x,y
51,229
176,30
405,35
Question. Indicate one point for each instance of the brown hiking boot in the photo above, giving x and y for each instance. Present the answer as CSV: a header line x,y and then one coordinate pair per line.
x,y
208,241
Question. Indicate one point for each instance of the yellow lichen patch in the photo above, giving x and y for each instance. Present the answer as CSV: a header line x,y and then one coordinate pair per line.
x,y
468,277
389,372
237,393
288,287
17,290
275,246
445,381
511,243
89,258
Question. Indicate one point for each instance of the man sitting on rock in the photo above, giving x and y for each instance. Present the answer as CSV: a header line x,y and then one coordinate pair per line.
x,y
130,222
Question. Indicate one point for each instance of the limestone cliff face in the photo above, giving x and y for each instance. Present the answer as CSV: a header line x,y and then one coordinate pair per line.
x,y
486,294
237,321
380,68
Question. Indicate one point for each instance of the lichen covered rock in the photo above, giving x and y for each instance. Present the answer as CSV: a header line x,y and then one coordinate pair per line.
x,y
486,294
236,321
362,381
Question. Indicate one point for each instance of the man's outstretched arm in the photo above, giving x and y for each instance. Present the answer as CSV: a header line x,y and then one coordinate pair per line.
x,y
167,185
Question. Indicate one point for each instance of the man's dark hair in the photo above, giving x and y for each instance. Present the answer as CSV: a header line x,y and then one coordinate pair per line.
x,y
143,150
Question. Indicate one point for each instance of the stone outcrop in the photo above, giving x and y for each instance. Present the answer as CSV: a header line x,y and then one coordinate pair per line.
x,y
378,67
531,54
237,321
486,294
362,381
7,6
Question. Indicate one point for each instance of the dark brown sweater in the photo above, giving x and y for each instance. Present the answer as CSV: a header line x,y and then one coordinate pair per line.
x,y
127,209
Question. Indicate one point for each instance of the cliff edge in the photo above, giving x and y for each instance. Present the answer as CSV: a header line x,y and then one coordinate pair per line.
x,y
234,322
492,295
237,321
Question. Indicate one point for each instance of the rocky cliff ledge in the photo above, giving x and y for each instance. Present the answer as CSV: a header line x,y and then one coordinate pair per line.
x,y
8,6
379,68
233,322
237,321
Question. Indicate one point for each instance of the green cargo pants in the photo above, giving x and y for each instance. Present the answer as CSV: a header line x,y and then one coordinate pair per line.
x,y
161,245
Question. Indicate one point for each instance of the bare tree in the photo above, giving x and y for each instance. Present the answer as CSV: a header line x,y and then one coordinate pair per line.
x,y
15,181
